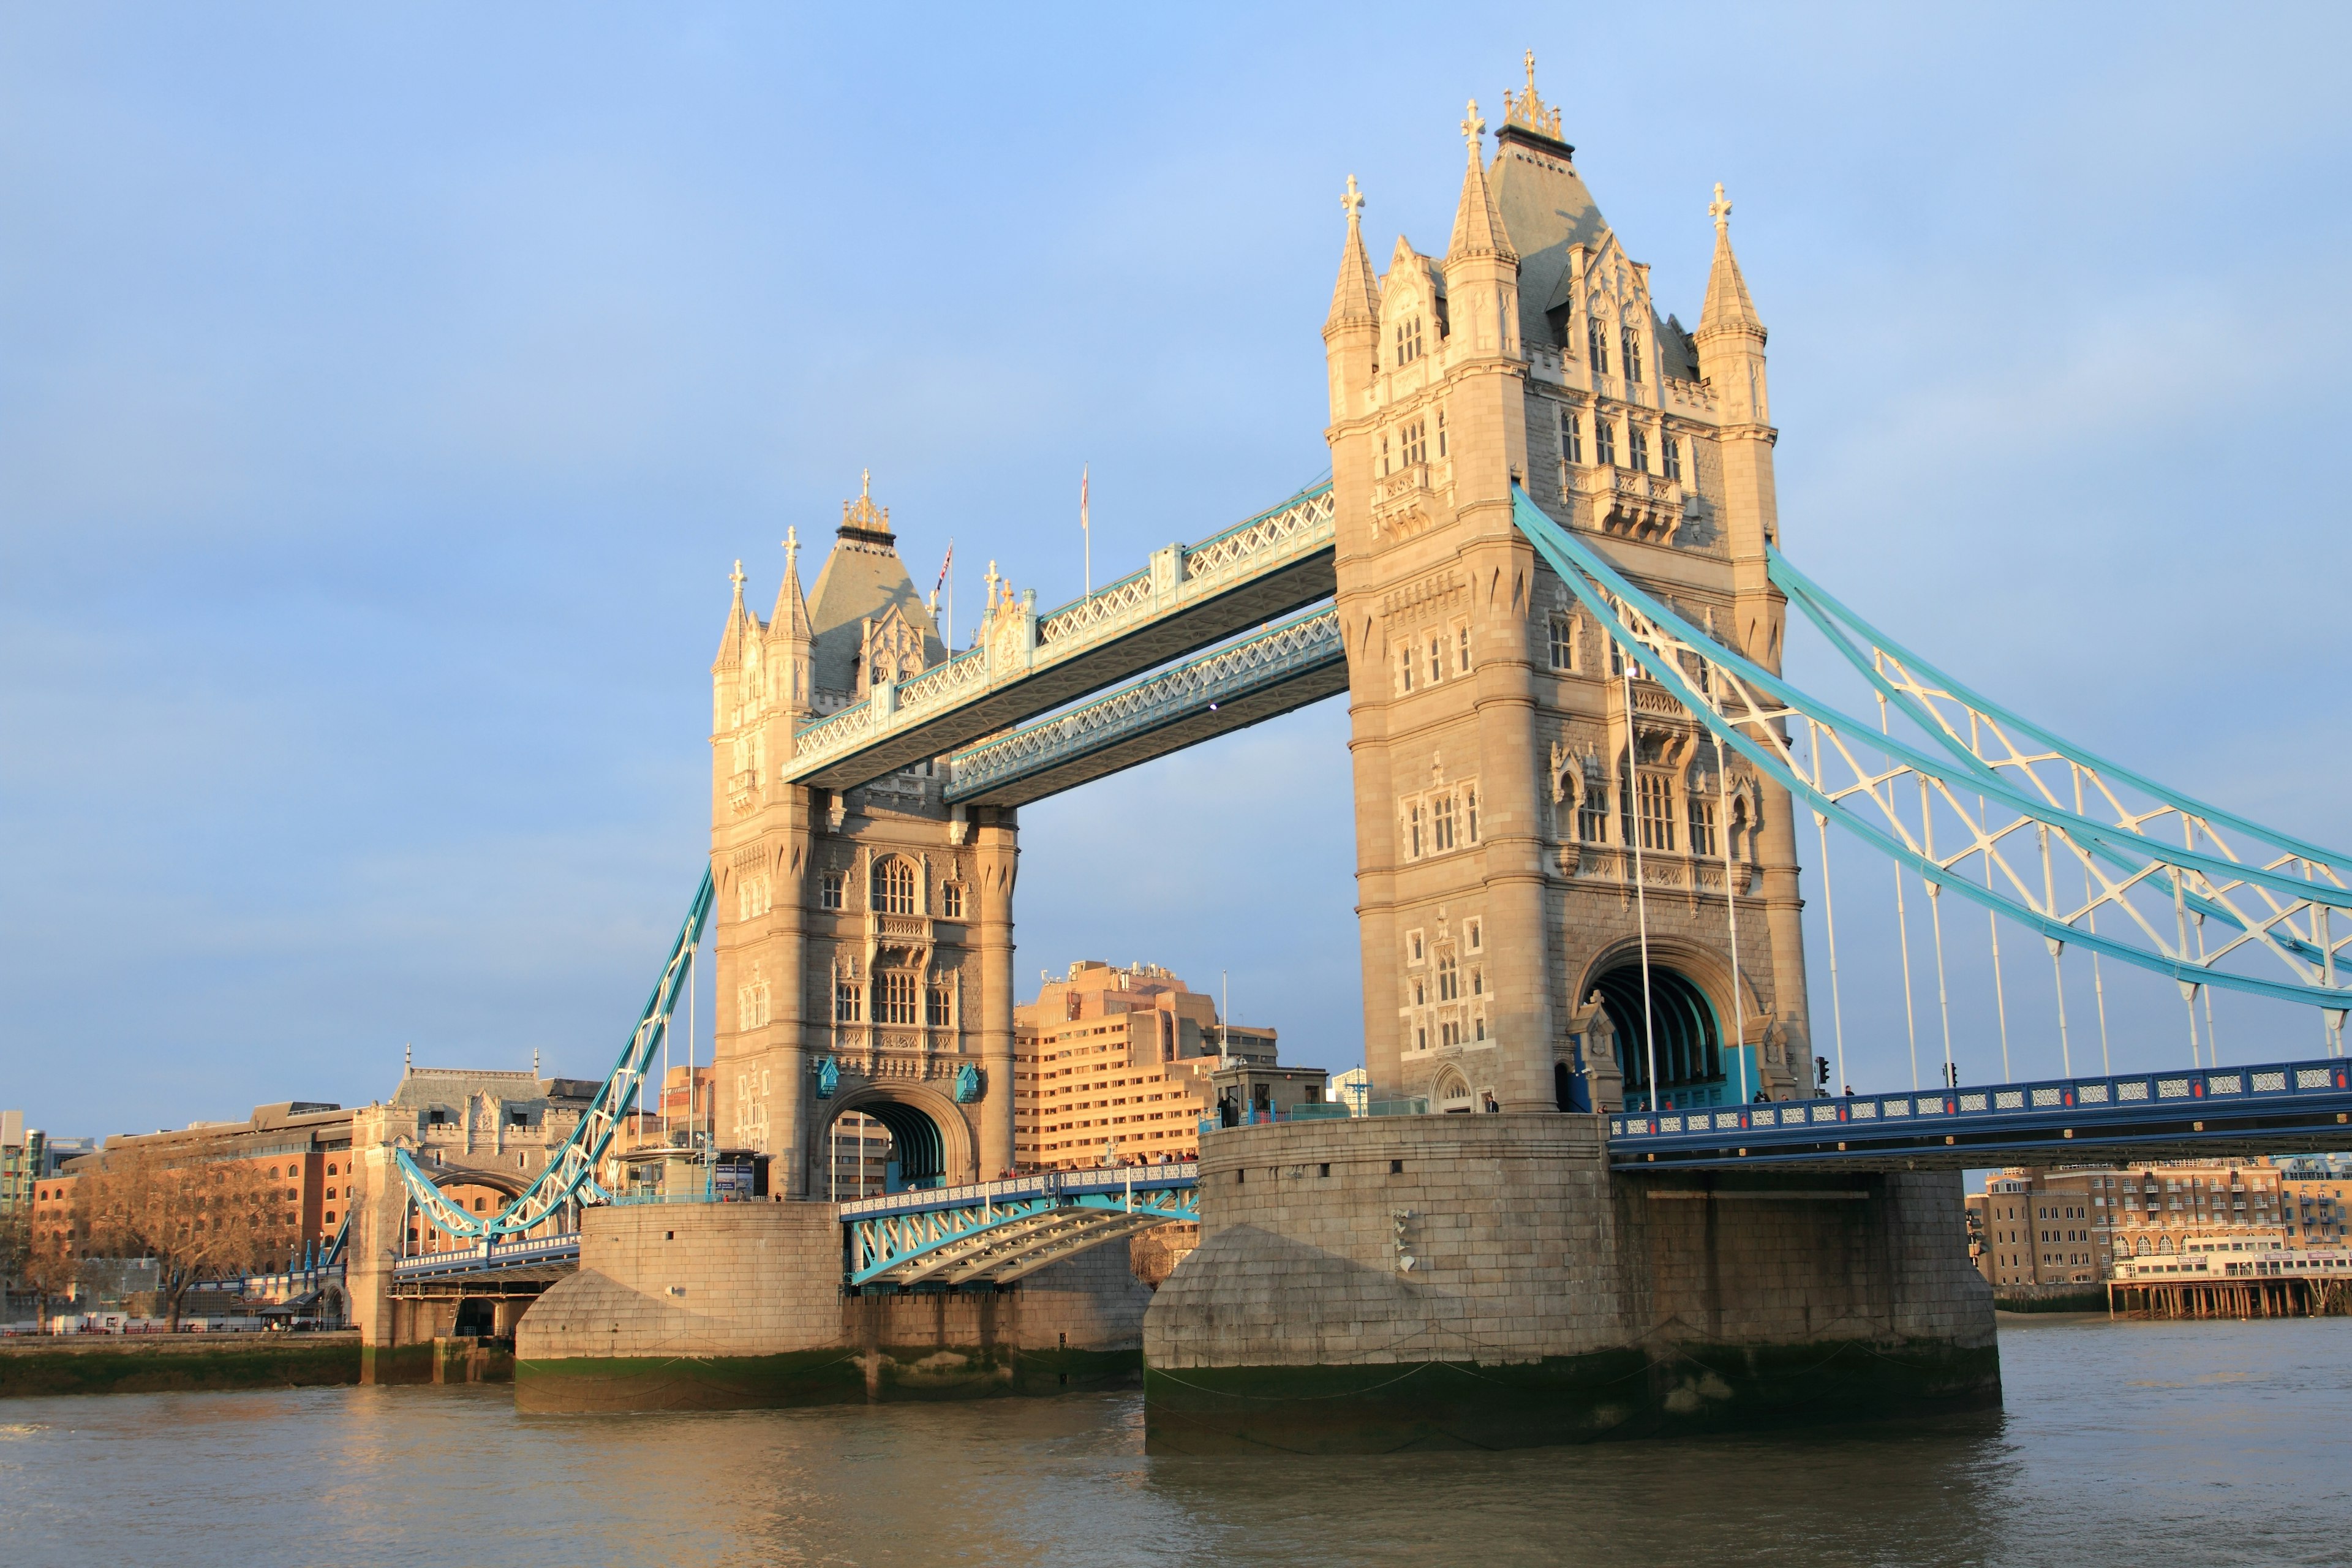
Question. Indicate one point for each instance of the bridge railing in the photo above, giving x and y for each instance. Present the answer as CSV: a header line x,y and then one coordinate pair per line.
x,y
2043,1105
483,1255
1022,1189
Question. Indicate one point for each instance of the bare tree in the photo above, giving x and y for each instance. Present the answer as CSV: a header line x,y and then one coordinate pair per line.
x,y
197,1218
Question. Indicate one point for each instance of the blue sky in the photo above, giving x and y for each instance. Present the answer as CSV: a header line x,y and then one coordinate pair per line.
x,y
385,394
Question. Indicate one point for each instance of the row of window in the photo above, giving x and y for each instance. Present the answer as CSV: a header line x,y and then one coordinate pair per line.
x,y
1646,814
896,1001
1441,821
1604,445
1423,660
1596,342
1474,937
894,892
1410,445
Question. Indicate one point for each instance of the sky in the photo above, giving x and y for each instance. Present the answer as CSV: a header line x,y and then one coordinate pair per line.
x,y
385,394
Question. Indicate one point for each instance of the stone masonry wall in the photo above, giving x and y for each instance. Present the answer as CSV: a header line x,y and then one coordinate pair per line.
x,y
1526,1247
764,1280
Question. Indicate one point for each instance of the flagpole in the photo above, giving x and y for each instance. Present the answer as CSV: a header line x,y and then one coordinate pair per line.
x,y
1086,527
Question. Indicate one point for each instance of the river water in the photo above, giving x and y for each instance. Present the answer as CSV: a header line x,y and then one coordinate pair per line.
x,y
2208,1443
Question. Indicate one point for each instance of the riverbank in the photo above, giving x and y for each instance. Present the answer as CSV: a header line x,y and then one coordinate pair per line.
x,y
164,1363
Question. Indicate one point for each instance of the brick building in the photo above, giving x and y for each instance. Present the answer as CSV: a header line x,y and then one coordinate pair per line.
x,y
2047,1226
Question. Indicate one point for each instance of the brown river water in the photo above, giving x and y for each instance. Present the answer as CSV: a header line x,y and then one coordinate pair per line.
x,y
2208,1443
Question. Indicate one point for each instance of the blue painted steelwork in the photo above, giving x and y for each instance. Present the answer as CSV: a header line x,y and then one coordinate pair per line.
x,y
1029,664
998,1232
828,1079
492,1257
569,1175
1282,655
2285,1105
1747,708
967,1084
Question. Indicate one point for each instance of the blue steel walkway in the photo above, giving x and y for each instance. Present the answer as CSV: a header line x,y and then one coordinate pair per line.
x,y
2286,1108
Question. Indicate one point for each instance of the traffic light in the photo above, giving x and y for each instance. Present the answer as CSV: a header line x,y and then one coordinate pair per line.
x,y
1822,1072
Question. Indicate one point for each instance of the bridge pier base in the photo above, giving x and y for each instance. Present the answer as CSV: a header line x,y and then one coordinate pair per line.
x,y
734,1306
1487,1281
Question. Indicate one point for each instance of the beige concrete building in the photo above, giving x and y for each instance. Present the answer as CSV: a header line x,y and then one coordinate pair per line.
x,y
2070,1226
1506,770
1113,1063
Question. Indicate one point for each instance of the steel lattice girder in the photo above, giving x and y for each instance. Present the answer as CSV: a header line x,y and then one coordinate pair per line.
x,y
1745,707
1191,598
569,1175
1275,672
1001,1242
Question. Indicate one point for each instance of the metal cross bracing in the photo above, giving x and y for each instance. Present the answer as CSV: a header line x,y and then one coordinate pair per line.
x,y
1028,663
1988,806
2283,1108
1280,669
998,1232
569,1179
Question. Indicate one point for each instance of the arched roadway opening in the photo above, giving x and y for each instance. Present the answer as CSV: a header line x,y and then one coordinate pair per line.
x,y
930,1142
1679,1032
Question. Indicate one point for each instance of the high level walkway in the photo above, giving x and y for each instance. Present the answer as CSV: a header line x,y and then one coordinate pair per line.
x,y
1027,664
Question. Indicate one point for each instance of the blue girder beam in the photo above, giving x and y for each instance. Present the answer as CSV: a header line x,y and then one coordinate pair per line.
x,y
1278,671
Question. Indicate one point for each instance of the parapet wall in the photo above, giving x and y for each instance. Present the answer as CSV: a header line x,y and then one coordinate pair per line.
x,y
720,1305
1548,1299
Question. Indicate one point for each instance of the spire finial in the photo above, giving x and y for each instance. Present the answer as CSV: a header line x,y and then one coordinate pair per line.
x,y
1353,201
1719,209
736,577
1528,110
1473,128
792,549
865,481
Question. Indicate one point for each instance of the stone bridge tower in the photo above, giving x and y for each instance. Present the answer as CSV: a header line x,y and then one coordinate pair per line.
x,y
1505,771
864,936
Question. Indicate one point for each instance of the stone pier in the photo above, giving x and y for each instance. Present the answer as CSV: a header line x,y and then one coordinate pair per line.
x,y
1548,1299
727,1306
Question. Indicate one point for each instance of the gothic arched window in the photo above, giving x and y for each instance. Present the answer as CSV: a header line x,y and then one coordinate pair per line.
x,y
1604,442
1633,341
1596,340
894,888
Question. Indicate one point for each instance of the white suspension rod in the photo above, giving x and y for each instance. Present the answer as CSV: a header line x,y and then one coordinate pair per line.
x,y
1829,909
1902,929
1630,815
1993,923
1731,913
1935,919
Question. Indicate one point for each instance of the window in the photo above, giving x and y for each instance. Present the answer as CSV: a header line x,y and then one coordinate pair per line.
x,y
848,1002
1633,341
1637,446
1436,660
1412,836
1671,451
894,888
1420,993
1472,933
1412,945
942,1007
898,998
1462,650
1470,812
1449,1033
952,900
1404,669
1408,341
1596,340
1571,437
1604,442
829,891
1416,445
1441,432
1592,814
1449,980
1440,822
1385,465
1702,826
1562,642
1477,982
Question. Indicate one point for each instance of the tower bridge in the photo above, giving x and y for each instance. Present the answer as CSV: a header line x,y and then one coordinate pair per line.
x,y
1547,572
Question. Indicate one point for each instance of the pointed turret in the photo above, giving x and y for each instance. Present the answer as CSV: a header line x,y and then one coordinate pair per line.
x,y
739,627
789,636
1351,332
1731,337
1728,300
1481,271
1356,298
1477,224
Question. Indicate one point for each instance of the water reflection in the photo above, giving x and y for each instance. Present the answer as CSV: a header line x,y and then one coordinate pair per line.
x,y
2203,1443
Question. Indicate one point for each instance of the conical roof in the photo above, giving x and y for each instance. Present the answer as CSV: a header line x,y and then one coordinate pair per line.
x,y
1728,301
1355,297
1477,226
